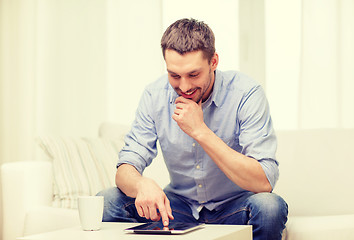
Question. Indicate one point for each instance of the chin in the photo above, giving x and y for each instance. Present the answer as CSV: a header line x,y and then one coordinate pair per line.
x,y
197,100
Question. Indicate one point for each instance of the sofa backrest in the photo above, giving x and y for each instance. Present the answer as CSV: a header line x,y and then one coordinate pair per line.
x,y
316,171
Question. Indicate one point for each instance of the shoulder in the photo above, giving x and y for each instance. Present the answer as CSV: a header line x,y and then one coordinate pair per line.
x,y
238,81
161,84
158,93
234,86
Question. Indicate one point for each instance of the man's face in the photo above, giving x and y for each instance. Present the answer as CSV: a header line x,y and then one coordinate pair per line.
x,y
190,74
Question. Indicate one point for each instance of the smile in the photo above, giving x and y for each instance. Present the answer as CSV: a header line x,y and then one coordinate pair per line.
x,y
188,94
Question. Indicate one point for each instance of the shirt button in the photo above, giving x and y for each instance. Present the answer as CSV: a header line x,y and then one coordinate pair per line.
x,y
193,144
200,185
197,167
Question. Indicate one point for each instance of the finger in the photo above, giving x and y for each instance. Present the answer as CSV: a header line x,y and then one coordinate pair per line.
x,y
177,111
181,99
163,213
174,117
146,213
139,209
153,213
158,216
180,105
168,209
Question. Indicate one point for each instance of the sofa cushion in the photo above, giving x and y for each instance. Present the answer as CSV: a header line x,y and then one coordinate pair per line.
x,y
82,166
45,219
316,171
339,227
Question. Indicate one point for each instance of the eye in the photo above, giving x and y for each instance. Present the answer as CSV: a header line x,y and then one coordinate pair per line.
x,y
194,75
175,76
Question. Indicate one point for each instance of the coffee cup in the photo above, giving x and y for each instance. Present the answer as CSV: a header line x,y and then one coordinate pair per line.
x,y
90,212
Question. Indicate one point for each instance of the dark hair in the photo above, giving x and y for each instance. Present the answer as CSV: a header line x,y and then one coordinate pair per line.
x,y
187,35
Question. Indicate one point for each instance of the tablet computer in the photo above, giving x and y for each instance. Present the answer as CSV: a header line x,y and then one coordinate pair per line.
x,y
158,228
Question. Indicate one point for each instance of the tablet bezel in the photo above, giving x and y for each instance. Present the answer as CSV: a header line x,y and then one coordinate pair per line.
x,y
189,228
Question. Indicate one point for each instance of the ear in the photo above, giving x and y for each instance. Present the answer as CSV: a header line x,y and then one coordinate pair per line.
x,y
214,61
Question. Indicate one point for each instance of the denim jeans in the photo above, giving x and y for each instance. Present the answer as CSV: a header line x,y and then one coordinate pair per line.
x,y
266,212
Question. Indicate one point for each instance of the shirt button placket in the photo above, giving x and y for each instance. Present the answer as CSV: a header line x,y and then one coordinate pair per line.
x,y
200,190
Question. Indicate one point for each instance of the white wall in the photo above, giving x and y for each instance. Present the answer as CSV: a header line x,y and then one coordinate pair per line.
x,y
134,58
282,46
309,63
221,16
70,67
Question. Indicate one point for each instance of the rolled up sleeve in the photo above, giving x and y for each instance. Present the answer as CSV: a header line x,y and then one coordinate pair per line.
x,y
257,136
140,142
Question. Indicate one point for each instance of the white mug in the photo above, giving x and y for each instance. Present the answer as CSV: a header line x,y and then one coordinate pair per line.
x,y
91,212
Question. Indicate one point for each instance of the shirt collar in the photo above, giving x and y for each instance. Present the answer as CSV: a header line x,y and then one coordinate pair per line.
x,y
173,94
215,95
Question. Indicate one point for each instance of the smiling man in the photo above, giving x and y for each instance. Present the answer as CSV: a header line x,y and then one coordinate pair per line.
x,y
190,74
217,139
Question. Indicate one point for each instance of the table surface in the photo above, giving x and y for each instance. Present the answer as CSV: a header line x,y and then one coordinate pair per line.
x,y
115,231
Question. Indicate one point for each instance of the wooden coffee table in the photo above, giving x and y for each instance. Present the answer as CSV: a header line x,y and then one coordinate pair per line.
x,y
115,231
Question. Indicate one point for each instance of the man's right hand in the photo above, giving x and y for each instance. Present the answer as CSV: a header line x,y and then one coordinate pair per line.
x,y
152,203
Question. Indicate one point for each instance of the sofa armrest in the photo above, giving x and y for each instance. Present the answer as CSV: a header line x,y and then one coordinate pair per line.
x,y
46,219
25,185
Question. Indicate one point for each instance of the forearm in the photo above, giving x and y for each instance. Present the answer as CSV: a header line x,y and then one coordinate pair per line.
x,y
127,178
151,202
244,171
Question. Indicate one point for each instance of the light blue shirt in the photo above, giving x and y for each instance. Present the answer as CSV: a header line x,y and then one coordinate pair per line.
x,y
237,111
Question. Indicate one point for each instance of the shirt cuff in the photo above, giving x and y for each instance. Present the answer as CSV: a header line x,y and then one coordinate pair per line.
x,y
270,167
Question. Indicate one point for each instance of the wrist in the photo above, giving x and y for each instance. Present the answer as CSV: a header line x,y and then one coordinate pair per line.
x,y
202,133
139,183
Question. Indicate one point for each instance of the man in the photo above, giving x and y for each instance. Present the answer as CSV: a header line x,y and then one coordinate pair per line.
x,y
217,140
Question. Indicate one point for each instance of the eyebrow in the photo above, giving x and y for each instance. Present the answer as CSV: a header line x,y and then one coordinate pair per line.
x,y
191,72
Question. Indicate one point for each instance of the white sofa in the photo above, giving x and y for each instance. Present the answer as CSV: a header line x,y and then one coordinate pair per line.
x,y
316,180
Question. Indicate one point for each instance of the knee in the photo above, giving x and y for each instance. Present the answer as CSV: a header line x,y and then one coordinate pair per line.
x,y
270,205
109,193
114,203
111,196
268,215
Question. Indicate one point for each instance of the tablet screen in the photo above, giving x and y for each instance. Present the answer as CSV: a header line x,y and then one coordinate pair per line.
x,y
158,228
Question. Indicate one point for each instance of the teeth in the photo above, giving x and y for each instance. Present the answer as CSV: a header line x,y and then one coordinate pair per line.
x,y
190,93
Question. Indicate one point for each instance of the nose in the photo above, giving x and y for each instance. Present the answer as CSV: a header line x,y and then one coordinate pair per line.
x,y
185,85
